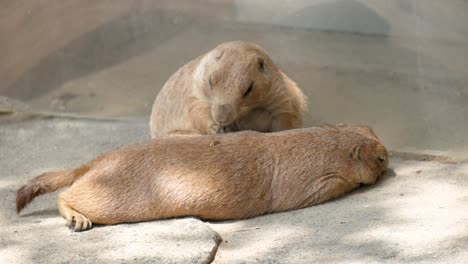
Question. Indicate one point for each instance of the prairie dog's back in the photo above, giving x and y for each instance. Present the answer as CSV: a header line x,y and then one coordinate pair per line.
x,y
199,176
170,106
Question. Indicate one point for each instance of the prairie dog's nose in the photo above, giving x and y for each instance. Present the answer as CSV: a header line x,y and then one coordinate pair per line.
x,y
221,113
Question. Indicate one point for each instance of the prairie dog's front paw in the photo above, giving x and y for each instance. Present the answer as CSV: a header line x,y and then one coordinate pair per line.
x,y
216,129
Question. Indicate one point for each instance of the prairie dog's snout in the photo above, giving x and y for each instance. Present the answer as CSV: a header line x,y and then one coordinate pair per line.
x,y
222,114
382,157
375,158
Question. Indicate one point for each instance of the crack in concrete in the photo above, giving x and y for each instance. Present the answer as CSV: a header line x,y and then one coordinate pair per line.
x,y
214,250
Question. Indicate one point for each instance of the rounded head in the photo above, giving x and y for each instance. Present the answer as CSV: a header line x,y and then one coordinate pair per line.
x,y
369,157
233,78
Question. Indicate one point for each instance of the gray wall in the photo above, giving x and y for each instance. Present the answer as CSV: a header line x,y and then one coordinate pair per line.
x,y
428,19
399,66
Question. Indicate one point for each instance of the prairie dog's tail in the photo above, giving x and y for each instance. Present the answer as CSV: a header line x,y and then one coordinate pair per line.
x,y
46,182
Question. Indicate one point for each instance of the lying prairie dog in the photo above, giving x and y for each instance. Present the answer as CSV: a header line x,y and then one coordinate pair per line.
x,y
233,176
236,86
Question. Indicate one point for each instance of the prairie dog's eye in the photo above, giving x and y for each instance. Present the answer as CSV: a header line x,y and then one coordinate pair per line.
x,y
211,84
248,90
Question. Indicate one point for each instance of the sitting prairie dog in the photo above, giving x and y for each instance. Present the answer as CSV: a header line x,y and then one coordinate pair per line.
x,y
214,177
235,86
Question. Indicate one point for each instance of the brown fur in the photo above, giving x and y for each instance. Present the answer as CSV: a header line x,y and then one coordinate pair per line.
x,y
238,175
46,182
206,96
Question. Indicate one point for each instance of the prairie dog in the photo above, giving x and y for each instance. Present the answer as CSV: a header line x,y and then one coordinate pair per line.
x,y
236,86
233,176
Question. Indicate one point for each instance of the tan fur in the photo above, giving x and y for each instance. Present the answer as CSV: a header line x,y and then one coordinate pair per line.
x,y
206,96
234,176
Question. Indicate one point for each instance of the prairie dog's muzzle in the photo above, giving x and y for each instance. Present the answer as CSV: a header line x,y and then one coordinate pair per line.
x,y
222,114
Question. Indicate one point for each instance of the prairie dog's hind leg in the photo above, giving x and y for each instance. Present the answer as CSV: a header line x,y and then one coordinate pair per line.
x,y
75,220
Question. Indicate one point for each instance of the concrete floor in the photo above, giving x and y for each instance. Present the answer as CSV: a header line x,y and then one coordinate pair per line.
x,y
417,213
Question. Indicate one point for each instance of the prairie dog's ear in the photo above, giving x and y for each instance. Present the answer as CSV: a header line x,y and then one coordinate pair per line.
x,y
201,71
218,53
356,153
261,64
